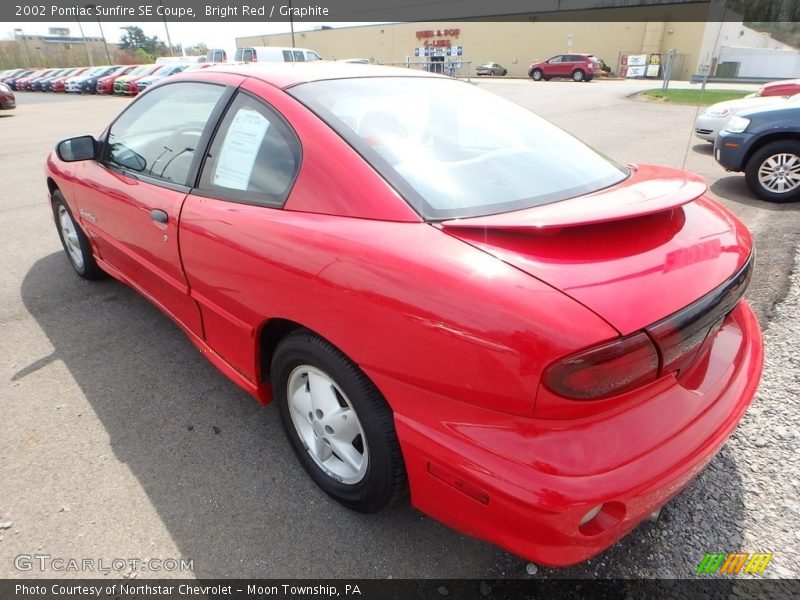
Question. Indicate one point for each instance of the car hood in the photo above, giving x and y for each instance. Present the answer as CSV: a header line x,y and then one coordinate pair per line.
x,y
789,108
745,103
634,253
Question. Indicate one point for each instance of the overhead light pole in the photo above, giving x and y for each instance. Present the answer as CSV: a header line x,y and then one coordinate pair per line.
x,y
291,21
85,43
102,35
169,41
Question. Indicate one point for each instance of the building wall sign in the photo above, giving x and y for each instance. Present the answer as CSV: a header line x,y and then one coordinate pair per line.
x,y
432,33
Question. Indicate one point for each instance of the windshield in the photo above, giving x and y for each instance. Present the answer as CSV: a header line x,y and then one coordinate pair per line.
x,y
453,150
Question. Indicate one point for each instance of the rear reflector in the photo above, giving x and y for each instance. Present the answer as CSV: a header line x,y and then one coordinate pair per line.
x,y
462,486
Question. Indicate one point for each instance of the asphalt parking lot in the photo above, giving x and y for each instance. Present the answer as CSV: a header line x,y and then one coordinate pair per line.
x,y
121,441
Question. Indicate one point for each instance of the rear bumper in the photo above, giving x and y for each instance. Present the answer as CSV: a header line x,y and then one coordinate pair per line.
x,y
536,479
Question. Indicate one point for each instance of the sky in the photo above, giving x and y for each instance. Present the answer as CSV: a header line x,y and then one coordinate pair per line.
x,y
214,35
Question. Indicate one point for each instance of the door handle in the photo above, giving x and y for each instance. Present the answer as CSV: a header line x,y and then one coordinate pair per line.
x,y
159,215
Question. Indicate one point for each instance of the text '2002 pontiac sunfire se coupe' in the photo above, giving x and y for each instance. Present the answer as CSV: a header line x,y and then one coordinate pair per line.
x,y
538,345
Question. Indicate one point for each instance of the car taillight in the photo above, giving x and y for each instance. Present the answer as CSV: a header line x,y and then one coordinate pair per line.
x,y
680,336
606,370
667,346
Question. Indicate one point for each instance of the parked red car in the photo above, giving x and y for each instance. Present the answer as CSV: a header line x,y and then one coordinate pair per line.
x,y
785,87
543,345
579,67
59,85
126,85
7,100
105,85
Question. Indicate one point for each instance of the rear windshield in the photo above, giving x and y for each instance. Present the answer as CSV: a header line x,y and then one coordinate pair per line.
x,y
453,150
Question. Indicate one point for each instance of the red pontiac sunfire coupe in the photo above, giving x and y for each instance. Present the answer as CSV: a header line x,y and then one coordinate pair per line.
x,y
538,344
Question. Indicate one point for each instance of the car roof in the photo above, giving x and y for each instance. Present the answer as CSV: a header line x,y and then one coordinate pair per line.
x,y
781,82
284,75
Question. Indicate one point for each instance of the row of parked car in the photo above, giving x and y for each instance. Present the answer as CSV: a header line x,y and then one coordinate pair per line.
x,y
759,135
126,80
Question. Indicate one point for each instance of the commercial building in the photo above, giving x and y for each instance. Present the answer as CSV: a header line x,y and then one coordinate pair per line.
x,y
467,44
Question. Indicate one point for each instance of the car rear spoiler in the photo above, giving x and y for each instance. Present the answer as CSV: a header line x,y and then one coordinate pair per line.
x,y
650,189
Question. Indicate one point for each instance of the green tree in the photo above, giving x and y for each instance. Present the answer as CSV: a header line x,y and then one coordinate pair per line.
x,y
143,57
135,39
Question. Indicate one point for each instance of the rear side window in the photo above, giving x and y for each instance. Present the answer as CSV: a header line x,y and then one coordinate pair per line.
x,y
158,135
299,56
254,157
431,140
287,56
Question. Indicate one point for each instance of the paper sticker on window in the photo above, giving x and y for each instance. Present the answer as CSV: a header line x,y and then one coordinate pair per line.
x,y
240,149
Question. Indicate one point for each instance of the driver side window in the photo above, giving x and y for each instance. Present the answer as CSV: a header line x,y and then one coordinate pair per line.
x,y
158,135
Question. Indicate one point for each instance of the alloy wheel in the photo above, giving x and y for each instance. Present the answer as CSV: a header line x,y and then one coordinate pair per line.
x,y
780,173
70,235
327,424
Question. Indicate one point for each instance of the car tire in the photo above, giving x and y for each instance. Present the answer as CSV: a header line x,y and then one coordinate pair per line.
x,y
338,423
74,241
505,72
578,75
537,75
777,157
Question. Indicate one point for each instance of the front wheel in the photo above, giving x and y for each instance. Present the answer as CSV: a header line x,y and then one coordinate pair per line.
x,y
339,425
74,241
536,75
773,172
578,75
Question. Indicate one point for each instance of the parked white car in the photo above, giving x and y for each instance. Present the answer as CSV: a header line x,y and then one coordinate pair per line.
x,y
716,116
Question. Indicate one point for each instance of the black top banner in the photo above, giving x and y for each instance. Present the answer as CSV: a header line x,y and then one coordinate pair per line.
x,y
396,10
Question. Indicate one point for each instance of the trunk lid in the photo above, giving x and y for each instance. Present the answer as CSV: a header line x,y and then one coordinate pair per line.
x,y
634,253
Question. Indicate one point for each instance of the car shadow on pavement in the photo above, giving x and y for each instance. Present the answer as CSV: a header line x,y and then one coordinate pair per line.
x,y
733,187
216,467
706,148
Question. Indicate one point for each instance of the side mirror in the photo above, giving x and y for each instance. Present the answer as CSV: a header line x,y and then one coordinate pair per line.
x,y
78,148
